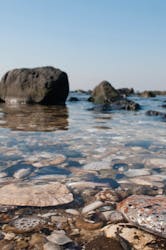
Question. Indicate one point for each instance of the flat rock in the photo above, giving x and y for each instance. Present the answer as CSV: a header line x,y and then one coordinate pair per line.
x,y
145,211
38,194
136,238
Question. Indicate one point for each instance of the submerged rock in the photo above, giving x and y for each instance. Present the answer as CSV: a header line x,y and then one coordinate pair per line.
x,y
147,212
25,224
39,194
129,237
43,85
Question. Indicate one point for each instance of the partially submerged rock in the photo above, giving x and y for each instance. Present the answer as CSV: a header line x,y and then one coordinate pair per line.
x,y
156,113
43,85
146,212
106,94
40,194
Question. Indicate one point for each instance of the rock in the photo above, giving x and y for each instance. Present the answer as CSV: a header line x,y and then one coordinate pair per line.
x,y
114,217
158,162
37,240
108,96
25,224
6,245
136,238
22,173
39,194
126,91
59,237
56,160
81,223
98,165
92,206
72,211
125,104
146,212
73,99
156,113
147,94
51,246
104,93
9,236
137,172
43,85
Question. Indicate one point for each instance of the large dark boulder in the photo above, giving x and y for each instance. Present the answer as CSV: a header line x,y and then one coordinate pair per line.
x,y
44,85
105,94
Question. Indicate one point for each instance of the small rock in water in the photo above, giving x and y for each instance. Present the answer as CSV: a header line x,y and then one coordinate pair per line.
x,y
92,206
22,173
147,212
25,224
137,172
97,165
59,237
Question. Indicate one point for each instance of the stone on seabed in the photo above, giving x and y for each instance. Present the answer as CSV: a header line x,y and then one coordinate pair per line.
x,y
145,211
38,194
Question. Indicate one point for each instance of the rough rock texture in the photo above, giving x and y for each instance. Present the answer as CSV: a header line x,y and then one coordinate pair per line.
x,y
44,85
107,95
104,93
147,212
126,91
39,194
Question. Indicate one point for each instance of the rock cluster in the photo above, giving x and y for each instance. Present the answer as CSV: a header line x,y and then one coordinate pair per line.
x,y
106,94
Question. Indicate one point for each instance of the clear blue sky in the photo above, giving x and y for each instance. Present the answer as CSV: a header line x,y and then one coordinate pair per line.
x,y
122,41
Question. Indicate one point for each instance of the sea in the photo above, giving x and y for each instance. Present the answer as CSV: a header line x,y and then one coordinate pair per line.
x,y
83,142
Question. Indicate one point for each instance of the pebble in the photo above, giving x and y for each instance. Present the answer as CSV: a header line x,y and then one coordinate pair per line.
x,y
22,173
72,211
92,206
97,165
59,237
137,172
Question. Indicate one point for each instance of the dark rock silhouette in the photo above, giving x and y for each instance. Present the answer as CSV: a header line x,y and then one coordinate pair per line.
x,y
106,94
43,85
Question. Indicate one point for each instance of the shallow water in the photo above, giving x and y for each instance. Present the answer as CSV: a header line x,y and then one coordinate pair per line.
x,y
59,142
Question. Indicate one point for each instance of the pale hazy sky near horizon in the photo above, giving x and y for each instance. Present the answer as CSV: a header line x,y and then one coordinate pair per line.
x,y
122,41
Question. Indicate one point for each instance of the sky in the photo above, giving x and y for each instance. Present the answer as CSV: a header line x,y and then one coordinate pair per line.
x,y
121,41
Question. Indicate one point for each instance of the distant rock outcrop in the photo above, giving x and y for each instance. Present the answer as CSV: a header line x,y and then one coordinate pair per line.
x,y
43,85
106,94
147,94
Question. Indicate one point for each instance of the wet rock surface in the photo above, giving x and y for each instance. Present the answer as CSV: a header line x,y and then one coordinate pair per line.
x,y
146,212
44,85
38,194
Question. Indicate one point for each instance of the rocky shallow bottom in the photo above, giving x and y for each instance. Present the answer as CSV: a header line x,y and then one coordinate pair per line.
x,y
75,178
127,217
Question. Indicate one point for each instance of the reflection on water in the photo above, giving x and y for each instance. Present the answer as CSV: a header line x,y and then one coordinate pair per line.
x,y
34,117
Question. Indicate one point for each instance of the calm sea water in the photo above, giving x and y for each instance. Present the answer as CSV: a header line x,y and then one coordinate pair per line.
x,y
97,145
